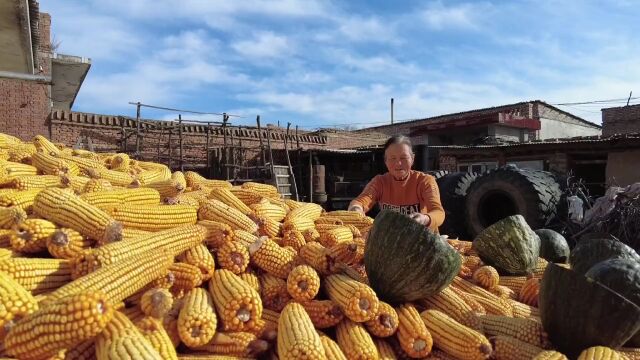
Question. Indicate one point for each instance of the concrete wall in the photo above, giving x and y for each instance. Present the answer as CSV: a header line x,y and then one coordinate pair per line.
x,y
508,133
621,120
622,168
555,128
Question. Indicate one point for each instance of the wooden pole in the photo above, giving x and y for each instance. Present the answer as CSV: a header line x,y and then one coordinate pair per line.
x,y
286,151
170,144
208,150
273,174
123,134
310,176
159,134
138,126
180,135
233,155
224,146
264,158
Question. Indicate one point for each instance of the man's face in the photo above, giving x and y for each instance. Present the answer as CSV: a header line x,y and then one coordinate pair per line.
x,y
399,159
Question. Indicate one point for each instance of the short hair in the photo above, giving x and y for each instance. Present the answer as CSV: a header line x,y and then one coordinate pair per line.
x,y
398,139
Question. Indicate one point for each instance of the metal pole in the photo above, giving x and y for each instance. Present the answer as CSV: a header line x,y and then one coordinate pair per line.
x,y
180,134
138,131
286,151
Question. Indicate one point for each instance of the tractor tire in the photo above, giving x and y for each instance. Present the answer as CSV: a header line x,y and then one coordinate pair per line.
x,y
437,173
453,190
509,191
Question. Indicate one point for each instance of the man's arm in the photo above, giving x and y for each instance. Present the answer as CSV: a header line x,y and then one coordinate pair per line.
x,y
430,197
369,196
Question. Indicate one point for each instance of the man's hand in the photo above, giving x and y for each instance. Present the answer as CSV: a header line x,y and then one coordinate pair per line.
x,y
356,208
420,218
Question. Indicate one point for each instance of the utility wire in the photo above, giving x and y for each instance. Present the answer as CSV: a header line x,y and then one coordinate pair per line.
x,y
181,110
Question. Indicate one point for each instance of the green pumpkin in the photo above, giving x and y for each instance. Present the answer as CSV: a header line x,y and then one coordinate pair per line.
x,y
405,261
590,252
553,246
623,277
509,245
578,313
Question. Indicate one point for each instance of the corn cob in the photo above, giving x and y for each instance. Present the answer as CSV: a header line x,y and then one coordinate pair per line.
x,y
84,164
133,313
31,235
86,350
629,353
328,220
42,144
336,236
486,276
270,257
268,227
526,330
119,280
21,199
108,200
211,357
186,277
15,303
352,217
154,217
541,265
248,197
183,199
120,162
414,338
226,196
476,306
238,305
357,300
233,256
296,336
311,235
308,210
252,279
8,140
116,178
263,189
217,233
197,320
201,257
323,313
8,253
350,253
96,185
331,348
385,351
131,234
50,165
35,182
504,292
599,353
550,355
193,178
156,302
318,257
509,348
266,209
11,216
492,303
153,331
303,283
235,344
271,318
354,341
75,183
301,224
5,238
167,188
529,292
521,310
455,338
68,210
218,211
11,170
513,282
385,323
293,238
175,241
61,324
20,154
453,305
170,322
274,292
155,175
121,339
37,275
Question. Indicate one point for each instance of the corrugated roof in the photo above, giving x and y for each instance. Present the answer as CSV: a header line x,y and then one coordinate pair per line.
x,y
573,140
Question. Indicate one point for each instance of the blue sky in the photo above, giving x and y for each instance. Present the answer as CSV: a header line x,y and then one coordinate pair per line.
x,y
336,63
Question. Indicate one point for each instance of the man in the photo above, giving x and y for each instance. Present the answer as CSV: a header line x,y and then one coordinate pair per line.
x,y
401,189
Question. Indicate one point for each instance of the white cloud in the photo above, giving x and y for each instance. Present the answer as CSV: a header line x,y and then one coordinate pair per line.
x,y
439,17
370,29
264,44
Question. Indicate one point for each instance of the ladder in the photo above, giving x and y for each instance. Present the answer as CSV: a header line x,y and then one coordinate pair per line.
x,y
283,181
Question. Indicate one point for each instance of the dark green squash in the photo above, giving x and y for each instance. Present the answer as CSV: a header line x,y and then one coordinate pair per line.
x,y
405,261
578,313
553,246
623,277
590,252
509,245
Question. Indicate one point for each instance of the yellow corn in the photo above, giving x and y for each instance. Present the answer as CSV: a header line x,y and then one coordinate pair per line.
x,y
116,178
385,323
218,211
521,310
59,325
131,234
184,199
133,313
274,292
627,353
155,333
35,182
11,216
264,189
96,185
529,292
357,300
7,253
476,306
11,170
175,241
8,140
355,342
170,322
453,305
37,275
217,233
233,256
121,339
31,235
167,188
331,348
352,217
385,351
550,355
323,313
235,344
248,197
201,257
210,357
492,303
271,257
414,338
197,320
75,183
110,199
252,279
43,144
20,199
301,224
317,256
487,277
509,348
268,227
303,283
238,305
336,236
351,252
293,238
226,196
154,217
185,278
455,338
156,302
296,336
308,210
121,279
599,353
513,282
120,162
329,221
311,235
86,350
20,154
193,178
68,210
526,330
50,165
83,163
266,209
15,303
504,292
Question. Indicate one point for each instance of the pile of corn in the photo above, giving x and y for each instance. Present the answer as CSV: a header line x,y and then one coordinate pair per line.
x,y
105,257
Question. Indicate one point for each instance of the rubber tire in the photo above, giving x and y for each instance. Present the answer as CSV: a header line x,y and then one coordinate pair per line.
x,y
509,191
438,173
453,190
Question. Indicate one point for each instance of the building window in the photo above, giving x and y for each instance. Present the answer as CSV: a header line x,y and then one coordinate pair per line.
x,y
479,167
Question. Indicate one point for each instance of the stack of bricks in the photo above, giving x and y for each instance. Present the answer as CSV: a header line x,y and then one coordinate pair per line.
x,y
621,120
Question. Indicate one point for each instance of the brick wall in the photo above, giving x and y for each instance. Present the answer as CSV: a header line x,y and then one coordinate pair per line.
x,y
621,120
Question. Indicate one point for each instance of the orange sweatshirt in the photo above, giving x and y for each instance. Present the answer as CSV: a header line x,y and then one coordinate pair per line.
x,y
417,193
